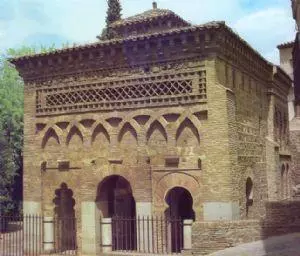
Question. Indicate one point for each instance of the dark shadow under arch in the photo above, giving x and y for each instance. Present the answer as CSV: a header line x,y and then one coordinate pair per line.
x,y
157,126
187,123
127,128
180,208
115,200
51,133
114,197
74,131
100,129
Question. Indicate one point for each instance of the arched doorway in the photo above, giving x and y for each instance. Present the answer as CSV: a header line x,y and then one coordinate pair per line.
x,y
65,222
115,200
180,208
114,197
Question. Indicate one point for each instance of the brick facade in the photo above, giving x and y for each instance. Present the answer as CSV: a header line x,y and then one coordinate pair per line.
x,y
192,107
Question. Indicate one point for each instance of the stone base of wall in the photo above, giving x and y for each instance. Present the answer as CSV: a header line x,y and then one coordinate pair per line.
x,y
209,237
281,218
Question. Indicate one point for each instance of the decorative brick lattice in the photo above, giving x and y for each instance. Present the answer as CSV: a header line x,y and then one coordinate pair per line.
x,y
120,93
164,89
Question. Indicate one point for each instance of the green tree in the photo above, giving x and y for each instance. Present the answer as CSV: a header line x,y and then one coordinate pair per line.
x,y
11,128
113,14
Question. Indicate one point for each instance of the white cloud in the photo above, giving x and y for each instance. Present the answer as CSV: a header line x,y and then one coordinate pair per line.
x,y
265,29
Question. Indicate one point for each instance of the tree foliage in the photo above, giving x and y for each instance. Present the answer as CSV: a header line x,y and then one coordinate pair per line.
x,y
113,14
11,129
113,11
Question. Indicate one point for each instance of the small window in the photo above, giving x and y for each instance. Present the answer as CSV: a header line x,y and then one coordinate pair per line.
x,y
63,166
249,195
249,192
199,164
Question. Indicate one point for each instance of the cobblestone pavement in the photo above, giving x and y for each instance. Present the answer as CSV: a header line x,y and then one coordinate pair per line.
x,y
287,245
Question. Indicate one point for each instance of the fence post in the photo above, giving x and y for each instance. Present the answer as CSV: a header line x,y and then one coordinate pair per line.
x,y
48,234
187,235
106,232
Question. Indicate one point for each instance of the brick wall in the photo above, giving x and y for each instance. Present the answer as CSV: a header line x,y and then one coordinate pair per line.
x,y
208,237
281,218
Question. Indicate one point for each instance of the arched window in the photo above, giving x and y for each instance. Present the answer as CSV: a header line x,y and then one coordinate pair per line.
x,y
249,194
282,181
287,173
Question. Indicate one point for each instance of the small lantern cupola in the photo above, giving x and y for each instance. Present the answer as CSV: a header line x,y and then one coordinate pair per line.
x,y
154,5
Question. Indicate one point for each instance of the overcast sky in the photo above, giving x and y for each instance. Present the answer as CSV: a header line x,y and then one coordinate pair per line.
x,y
263,23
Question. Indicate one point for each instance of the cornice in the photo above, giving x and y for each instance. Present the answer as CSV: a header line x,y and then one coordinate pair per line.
x,y
181,45
211,39
237,51
118,41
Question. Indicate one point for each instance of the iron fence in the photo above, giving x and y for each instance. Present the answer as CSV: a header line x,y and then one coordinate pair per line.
x,y
24,235
151,234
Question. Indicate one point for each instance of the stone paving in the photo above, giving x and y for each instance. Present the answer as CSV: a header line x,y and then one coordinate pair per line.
x,y
287,245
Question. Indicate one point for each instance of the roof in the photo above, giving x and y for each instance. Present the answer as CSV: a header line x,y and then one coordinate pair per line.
x,y
146,16
286,45
213,24
139,37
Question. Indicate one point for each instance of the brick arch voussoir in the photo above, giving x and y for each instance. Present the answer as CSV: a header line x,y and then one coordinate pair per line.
x,y
249,173
162,121
130,120
156,118
189,116
84,131
134,124
127,175
57,130
171,180
106,126
81,129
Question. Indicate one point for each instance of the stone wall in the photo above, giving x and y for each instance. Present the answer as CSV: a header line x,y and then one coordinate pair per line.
x,y
208,237
281,218
295,148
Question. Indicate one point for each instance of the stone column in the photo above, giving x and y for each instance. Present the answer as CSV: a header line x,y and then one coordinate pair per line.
x,y
106,233
90,218
143,213
48,234
187,235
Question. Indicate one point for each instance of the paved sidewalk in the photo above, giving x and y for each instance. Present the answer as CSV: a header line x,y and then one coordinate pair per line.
x,y
287,245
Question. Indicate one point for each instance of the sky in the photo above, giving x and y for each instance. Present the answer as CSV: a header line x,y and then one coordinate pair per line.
x,y
263,23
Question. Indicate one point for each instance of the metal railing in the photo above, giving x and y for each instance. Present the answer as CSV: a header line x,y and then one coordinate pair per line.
x,y
157,235
24,235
